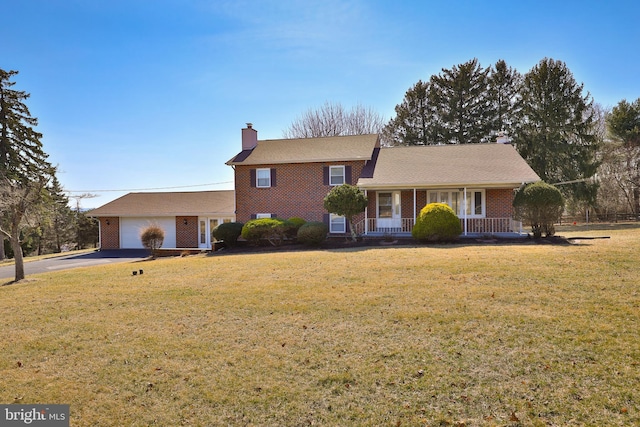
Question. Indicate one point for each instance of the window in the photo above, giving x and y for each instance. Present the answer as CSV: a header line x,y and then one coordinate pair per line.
x,y
263,178
455,199
336,175
263,215
385,205
337,224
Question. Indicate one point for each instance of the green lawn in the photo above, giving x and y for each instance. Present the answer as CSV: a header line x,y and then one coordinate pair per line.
x,y
444,335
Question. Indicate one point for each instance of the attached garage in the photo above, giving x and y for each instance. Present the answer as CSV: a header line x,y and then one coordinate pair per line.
x,y
131,228
187,218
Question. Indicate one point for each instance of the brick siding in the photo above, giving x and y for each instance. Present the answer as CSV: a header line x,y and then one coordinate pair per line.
x,y
299,190
109,233
499,203
187,234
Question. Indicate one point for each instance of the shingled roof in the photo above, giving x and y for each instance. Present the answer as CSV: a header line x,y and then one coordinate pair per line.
x,y
482,165
170,204
309,150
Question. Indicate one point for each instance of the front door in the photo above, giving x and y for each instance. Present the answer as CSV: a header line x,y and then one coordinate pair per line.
x,y
389,214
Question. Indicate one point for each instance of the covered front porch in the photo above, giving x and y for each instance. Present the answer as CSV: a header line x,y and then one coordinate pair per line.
x,y
482,211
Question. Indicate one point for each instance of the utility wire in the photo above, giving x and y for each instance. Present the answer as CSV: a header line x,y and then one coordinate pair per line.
x,y
148,189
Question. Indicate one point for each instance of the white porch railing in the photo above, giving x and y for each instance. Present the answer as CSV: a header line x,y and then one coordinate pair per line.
x,y
474,226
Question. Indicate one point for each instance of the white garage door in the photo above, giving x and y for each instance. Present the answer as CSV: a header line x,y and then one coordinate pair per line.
x,y
131,228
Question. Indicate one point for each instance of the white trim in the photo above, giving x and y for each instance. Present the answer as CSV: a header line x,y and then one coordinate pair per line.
x,y
333,218
258,178
331,176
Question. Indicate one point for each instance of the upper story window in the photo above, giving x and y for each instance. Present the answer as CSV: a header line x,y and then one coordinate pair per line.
x,y
263,178
336,175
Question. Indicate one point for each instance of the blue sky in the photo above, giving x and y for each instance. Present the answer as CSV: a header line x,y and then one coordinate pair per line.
x,y
147,94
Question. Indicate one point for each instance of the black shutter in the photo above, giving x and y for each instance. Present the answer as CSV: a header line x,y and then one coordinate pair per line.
x,y
347,175
273,177
325,175
326,219
347,228
254,216
274,215
252,174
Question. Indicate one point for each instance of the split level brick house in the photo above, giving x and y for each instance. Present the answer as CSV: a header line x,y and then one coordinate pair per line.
x,y
290,177
287,178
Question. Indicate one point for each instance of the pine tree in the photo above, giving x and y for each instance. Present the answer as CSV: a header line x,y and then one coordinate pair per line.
x,y
623,126
415,122
557,132
24,169
503,91
460,97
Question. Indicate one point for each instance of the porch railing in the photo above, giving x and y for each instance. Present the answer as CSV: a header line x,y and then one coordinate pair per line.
x,y
474,226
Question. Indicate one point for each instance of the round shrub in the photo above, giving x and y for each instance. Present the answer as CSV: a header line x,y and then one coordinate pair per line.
x,y
270,229
313,233
228,232
152,237
437,222
292,225
541,205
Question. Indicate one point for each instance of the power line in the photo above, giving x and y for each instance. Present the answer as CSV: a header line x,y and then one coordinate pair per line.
x,y
148,189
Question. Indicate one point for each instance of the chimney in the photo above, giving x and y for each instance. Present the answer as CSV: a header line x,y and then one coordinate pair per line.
x,y
249,137
503,138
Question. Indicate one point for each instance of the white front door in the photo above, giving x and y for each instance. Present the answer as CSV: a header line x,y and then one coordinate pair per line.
x,y
389,212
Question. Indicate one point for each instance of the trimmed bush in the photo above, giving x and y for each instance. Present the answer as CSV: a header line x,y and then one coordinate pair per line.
x,y
313,233
292,225
540,205
152,237
437,222
228,232
270,229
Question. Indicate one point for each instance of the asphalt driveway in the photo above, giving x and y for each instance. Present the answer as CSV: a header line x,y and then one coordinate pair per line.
x,y
65,262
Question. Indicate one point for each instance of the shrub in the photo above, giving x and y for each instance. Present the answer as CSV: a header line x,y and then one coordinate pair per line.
x,y
270,229
437,222
348,201
228,232
313,233
152,237
292,225
540,205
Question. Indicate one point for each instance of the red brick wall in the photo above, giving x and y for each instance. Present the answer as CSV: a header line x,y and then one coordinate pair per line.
x,y
499,203
187,234
299,190
109,234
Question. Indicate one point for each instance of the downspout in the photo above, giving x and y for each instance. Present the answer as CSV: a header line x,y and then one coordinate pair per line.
x,y
366,214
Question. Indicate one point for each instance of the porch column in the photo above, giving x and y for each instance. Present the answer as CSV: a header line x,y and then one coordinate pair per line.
x,y
465,210
415,201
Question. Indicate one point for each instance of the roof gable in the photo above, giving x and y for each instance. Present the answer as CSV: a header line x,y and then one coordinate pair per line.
x,y
309,150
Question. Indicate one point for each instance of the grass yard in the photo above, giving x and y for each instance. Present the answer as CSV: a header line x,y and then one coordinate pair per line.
x,y
451,335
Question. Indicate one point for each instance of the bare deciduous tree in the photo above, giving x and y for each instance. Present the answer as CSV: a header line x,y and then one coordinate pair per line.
x,y
331,119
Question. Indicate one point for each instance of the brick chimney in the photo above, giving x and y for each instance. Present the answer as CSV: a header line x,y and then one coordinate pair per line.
x,y
249,137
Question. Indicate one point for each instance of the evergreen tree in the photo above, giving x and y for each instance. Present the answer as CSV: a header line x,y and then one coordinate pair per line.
x,y
415,122
503,86
623,126
461,100
24,169
557,129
